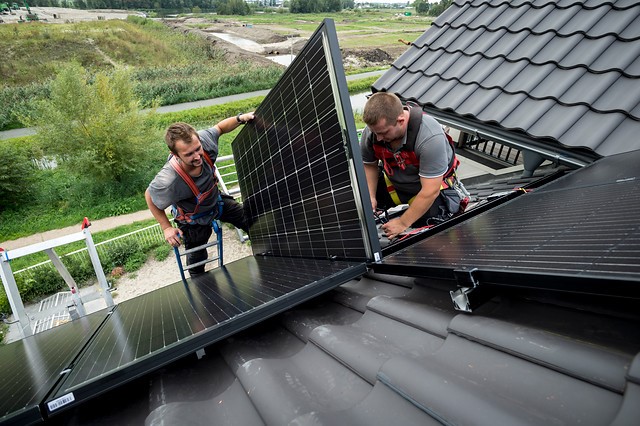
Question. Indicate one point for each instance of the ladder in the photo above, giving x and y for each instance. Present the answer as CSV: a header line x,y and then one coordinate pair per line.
x,y
217,230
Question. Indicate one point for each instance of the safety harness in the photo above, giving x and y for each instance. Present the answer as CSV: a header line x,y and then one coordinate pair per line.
x,y
189,217
407,156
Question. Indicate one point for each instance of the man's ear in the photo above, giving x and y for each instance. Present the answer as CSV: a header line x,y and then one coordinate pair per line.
x,y
402,118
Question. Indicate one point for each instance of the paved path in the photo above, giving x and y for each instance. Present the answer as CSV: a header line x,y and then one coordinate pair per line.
x,y
96,226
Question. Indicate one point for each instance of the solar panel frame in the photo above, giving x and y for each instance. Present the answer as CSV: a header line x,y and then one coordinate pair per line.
x,y
317,203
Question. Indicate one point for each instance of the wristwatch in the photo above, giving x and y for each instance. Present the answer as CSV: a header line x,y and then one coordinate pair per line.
x,y
241,121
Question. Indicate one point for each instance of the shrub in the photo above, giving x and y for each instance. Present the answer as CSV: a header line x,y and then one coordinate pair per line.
x,y
16,175
118,254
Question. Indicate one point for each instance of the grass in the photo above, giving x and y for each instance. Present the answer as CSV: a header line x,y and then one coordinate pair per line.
x,y
168,66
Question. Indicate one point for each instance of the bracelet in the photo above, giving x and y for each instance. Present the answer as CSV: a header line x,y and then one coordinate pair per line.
x,y
239,120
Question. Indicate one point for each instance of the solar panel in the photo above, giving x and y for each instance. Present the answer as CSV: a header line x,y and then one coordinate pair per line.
x,y
579,234
154,329
299,165
31,367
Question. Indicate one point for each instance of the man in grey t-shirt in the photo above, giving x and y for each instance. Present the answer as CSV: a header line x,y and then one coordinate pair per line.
x,y
414,174
189,173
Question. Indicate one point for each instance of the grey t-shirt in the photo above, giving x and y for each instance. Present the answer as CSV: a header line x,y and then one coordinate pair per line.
x,y
432,150
168,188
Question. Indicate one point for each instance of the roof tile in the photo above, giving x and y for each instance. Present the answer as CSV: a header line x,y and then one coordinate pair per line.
x,y
564,73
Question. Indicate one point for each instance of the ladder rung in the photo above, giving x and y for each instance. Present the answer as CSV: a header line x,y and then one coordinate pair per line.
x,y
204,246
204,262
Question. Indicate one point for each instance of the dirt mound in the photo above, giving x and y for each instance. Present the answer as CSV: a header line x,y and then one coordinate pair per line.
x,y
376,55
363,58
274,42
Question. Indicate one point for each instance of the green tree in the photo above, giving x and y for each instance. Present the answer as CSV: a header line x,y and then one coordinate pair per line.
x,y
421,6
16,176
437,9
93,124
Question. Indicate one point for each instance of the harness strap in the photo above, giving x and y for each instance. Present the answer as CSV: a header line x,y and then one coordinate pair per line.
x,y
178,212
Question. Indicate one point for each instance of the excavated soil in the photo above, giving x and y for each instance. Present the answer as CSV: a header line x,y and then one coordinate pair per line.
x,y
275,40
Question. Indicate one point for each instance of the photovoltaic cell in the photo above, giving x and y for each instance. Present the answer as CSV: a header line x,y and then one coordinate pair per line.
x,y
299,165
579,234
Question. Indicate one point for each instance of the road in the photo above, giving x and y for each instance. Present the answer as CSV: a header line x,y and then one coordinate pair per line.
x,y
14,133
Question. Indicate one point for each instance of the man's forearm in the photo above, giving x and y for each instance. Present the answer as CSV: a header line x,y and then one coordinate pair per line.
x,y
418,208
158,214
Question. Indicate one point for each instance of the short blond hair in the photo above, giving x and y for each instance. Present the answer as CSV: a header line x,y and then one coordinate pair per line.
x,y
382,105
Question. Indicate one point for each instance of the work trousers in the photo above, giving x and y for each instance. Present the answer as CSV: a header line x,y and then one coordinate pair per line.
x,y
196,235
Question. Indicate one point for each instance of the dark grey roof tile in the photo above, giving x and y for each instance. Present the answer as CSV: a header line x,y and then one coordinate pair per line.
x,y
260,342
623,22
581,20
601,366
233,407
356,294
612,58
301,322
587,50
495,388
382,406
502,44
625,134
418,314
368,343
632,31
505,73
283,389
606,92
398,280
633,68
593,127
556,120
191,379
459,16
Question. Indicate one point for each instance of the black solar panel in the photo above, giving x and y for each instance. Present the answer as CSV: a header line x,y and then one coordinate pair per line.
x,y
33,365
579,234
149,331
299,165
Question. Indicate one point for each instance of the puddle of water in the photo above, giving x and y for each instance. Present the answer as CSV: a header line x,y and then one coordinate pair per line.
x,y
282,59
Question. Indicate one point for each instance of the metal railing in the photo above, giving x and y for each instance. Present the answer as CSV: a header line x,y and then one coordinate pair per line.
x,y
495,151
147,236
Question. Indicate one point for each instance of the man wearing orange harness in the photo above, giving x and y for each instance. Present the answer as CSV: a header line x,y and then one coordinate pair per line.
x,y
408,159
189,184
